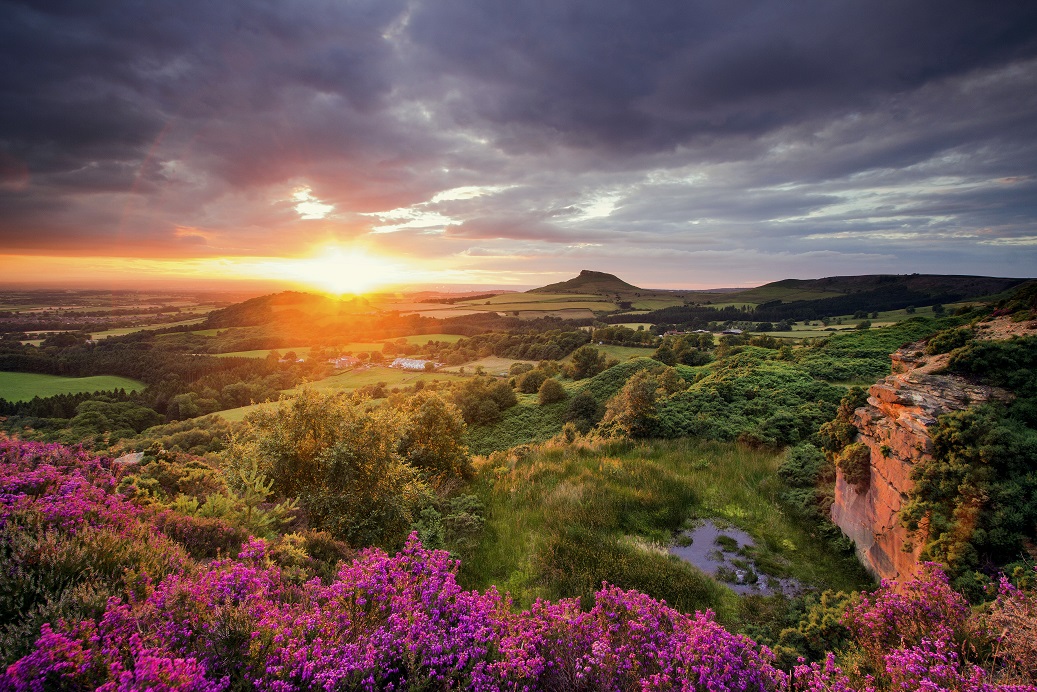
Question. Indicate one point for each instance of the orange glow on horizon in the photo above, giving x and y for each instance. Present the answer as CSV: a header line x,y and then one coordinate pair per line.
x,y
331,268
335,269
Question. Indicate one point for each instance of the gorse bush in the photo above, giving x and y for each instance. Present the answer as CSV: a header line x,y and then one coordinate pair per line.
x,y
863,356
750,395
550,392
855,463
362,474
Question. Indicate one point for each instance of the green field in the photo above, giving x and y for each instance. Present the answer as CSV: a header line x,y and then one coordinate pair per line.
x,y
620,353
656,303
236,415
354,379
123,331
301,351
352,347
491,365
517,298
550,306
199,332
23,386
422,339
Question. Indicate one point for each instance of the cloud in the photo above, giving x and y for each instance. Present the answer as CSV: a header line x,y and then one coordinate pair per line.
x,y
812,137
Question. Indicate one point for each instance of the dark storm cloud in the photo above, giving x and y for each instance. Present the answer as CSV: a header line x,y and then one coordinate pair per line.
x,y
596,131
654,75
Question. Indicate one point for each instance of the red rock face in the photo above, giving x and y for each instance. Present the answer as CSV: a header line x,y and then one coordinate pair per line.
x,y
895,425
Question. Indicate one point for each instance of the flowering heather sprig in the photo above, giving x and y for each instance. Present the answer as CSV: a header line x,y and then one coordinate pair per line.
x,y
68,488
911,635
902,614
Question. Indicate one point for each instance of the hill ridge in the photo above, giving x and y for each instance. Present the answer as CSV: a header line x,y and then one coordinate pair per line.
x,y
589,281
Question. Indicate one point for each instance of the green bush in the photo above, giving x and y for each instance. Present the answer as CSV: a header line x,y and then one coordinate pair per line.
x,y
551,391
577,561
530,382
802,466
855,463
948,340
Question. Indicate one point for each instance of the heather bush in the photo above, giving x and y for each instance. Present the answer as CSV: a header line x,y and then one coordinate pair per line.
x,y
202,537
96,597
921,635
397,622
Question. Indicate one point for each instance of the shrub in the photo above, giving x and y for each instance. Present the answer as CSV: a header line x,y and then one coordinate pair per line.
x,y
202,537
583,411
855,463
802,465
530,382
551,391
948,340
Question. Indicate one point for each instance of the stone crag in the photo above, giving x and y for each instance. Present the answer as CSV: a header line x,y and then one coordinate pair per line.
x,y
895,425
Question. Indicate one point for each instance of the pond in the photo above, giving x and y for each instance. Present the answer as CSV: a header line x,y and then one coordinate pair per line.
x,y
725,553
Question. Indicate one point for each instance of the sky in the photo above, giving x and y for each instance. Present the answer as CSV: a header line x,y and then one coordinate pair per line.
x,y
675,143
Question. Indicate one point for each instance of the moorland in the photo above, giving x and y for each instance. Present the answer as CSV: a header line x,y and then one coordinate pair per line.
x,y
494,490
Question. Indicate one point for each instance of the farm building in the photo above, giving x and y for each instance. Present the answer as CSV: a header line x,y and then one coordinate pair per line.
x,y
410,364
344,362
731,331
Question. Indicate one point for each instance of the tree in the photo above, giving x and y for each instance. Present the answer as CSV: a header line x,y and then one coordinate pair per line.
x,y
664,354
342,461
632,412
432,439
529,383
551,391
586,362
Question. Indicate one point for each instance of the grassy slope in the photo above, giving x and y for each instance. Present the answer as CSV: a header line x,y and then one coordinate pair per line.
x,y
560,521
530,422
342,382
23,386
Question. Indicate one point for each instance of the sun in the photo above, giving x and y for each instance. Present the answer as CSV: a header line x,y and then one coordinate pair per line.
x,y
340,270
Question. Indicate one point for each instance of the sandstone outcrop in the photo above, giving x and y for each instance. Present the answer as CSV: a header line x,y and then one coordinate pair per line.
x,y
895,425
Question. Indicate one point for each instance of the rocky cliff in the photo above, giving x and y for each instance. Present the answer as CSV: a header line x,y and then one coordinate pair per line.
x,y
895,425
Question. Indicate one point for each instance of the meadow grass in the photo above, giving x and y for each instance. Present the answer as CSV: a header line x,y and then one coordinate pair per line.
x,y
620,353
236,415
23,386
354,379
340,383
351,347
563,518
300,351
491,365
527,298
656,303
